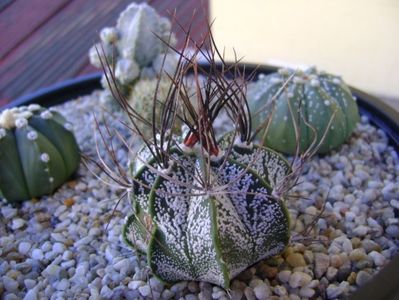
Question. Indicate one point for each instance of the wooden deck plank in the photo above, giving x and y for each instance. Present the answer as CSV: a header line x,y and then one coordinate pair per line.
x,y
4,4
57,46
18,21
87,68
57,30
58,50
78,44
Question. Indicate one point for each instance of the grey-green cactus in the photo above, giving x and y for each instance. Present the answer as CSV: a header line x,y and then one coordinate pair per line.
x,y
192,233
136,45
38,152
308,101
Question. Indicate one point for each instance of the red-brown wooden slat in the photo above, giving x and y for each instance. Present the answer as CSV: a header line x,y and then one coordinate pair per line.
x,y
78,45
4,4
55,46
22,18
87,68
58,29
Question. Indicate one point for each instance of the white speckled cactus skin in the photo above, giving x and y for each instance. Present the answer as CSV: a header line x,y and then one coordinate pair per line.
x,y
319,96
196,234
38,152
135,45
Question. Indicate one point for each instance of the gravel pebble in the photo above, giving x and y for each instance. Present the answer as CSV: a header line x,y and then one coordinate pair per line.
x,y
262,291
333,291
347,246
393,231
58,248
32,294
358,254
145,290
369,245
167,294
8,212
284,276
106,292
10,285
29,283
378,258
299,279
306,292
236,294
331,273
17,223
361,230
62,285
178,287
296,260
280,290
322,262
394,203
249,293
37,254
24,247
362,278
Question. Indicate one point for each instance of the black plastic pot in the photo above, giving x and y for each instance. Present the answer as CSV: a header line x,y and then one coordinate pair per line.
x,y
385,285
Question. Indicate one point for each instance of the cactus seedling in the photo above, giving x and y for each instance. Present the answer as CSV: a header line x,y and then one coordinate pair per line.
x,y
204,209
141,98
309,101
38,152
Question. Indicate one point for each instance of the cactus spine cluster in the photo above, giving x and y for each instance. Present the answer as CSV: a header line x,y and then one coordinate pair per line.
x,y
204,209
314,104
38,152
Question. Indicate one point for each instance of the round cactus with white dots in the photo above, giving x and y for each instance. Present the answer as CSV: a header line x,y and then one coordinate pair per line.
x,y
38,152
305,107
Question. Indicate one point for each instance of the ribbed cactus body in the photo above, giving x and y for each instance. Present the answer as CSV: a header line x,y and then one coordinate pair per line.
x,y
38,152
192,233
139,26
136,45
315,99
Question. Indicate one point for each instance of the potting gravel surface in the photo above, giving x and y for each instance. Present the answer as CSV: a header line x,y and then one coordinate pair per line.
x,y
59,247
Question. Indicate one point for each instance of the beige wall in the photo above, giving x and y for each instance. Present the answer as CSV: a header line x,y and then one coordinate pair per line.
x,y
358,39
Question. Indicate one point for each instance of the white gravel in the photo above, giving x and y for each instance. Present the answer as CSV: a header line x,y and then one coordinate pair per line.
x,y
68,245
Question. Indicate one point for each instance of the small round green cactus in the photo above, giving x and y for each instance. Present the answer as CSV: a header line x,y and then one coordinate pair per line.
x,y
38,152
142,96
308,102
191,233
